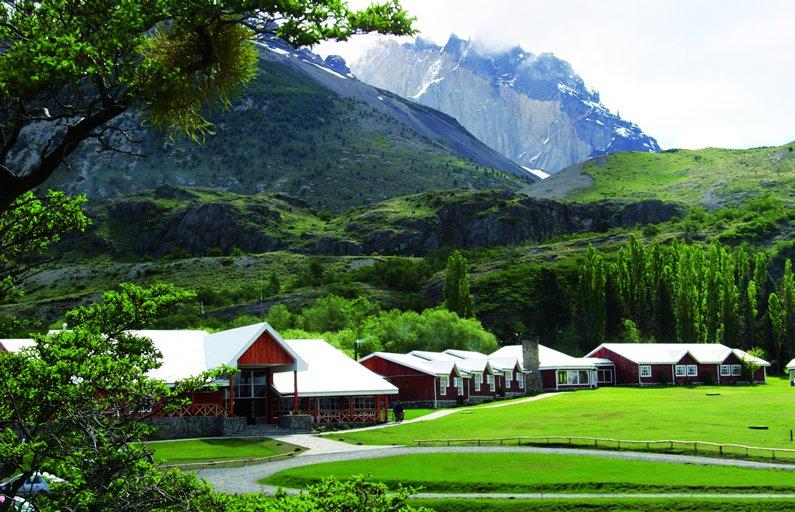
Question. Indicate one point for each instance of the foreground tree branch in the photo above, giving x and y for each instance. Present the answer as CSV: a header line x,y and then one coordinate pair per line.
x,y
69,68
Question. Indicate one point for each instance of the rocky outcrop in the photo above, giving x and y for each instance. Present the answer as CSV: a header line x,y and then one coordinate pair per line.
x,y
465,219
534,109
502,218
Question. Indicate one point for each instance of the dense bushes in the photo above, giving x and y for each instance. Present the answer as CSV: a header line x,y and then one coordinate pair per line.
x,y
342,321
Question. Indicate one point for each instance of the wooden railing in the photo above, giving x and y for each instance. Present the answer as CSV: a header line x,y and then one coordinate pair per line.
x,y
662,445
198,410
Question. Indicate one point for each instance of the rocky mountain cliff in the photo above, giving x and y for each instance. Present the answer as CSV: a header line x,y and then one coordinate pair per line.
x,y
534,109
173,220
307,128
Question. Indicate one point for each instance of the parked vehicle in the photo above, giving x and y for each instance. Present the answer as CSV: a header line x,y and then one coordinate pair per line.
x,y
38,483
20,505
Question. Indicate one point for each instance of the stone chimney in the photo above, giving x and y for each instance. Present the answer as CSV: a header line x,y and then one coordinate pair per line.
x,y
533,383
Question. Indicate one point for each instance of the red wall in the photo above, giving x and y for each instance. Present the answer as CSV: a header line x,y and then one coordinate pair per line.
x,y
413,385
626,372
264,351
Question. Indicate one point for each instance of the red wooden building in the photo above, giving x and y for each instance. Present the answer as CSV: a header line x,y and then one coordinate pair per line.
x,y
561,371
678,363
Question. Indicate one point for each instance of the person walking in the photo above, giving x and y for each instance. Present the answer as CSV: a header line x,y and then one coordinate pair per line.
x,y
398,411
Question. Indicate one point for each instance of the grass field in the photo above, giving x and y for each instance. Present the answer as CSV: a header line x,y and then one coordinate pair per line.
x,y
658,505
527,472
679,413
707,177
205,450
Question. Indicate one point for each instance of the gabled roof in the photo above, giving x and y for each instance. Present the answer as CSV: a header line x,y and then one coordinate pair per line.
x,y
672,353
791,365
329,373
550,359
479,363
226,347
416,363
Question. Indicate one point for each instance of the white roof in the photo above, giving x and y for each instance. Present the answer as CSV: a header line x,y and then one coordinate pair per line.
x,y
671,353
183,353
416,363
791,365
475,362
16,344
549,359
329,373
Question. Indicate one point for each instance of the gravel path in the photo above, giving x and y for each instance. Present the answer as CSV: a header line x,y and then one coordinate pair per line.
x,y
244,479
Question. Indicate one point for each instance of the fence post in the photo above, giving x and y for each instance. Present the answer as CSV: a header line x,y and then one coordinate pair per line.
x,y
695,447
619,444
720,449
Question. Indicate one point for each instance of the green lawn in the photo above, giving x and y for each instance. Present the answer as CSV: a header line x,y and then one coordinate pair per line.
x,y
607,505
206,450
530,472
679,413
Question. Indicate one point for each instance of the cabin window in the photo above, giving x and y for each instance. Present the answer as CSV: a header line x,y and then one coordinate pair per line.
x,y
364,403
737,370
692,370
329,403
604,376
444,381
520,378
645,370
681,370
508,378
574,377
459,385
725,370
490,381
477,378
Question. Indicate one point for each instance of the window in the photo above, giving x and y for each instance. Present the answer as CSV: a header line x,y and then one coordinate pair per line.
x,y
737,370
329,403
692,370
725,370
508,378
477,378
444,381
364,403
681,370
490,382
604,376
574,377
459,385
520,378
645,370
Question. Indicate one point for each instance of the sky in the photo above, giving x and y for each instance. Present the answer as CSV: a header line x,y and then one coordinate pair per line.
x,y
691,73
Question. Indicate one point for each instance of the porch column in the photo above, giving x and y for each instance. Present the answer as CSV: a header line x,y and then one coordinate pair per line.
x,y
231,395
295,391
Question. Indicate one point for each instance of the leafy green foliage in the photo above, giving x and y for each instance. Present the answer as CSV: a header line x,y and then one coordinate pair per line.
x,y
457,297
73,403
330,495
691,293
30,229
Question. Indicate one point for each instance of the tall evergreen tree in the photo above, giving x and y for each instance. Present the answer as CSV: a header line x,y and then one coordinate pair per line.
x,y
591,298
457,296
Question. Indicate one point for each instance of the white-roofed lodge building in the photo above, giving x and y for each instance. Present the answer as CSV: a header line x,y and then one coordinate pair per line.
x,y
642,364
278,381
791,370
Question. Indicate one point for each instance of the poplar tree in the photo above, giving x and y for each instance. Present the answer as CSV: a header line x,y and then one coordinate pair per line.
x,y
457,295
591,303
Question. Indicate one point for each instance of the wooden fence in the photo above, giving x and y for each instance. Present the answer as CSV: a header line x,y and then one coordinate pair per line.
x,y
604,443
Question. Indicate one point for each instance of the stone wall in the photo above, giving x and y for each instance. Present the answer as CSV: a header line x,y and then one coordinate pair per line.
x,y
197,426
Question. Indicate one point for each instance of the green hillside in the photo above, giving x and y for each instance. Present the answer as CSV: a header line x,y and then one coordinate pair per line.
x,y
709,178
288,134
